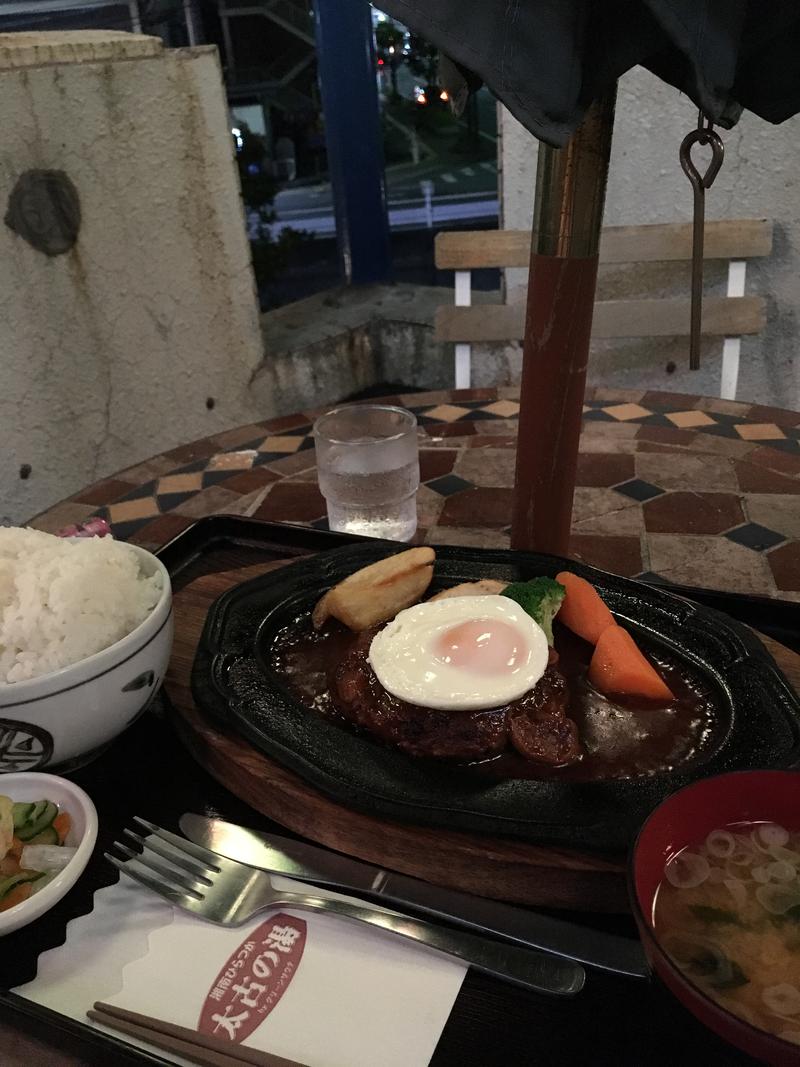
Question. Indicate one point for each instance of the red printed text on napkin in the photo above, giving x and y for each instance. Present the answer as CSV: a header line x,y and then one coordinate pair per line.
x,y
254,979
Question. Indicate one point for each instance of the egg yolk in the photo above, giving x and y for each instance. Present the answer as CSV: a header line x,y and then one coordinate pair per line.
x,y
481,646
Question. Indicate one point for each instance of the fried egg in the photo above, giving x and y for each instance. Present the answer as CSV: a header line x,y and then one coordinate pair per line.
x,y
461,654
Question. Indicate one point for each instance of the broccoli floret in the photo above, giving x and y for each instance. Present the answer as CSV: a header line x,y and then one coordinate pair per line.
x,y
540,598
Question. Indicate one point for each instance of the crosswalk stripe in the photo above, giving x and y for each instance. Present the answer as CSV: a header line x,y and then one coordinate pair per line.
x,y
488,166
449,178
468,171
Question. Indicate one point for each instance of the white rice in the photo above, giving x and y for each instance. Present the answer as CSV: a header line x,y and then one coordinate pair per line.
x,y
61,601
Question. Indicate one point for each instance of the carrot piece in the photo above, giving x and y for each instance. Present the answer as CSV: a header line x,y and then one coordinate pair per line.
x,y
16,848
582,609
16,895
62,824
618,667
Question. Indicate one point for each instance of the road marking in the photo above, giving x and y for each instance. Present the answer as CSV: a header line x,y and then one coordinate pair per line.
x,y
449,178
488,166
406,218
468,171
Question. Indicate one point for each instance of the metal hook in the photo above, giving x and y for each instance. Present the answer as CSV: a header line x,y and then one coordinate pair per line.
x,y
704,134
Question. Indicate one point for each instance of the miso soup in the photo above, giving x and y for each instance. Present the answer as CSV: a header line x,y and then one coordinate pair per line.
x,y
728,915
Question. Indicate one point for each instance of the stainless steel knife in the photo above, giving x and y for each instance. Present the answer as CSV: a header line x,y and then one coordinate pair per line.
x,y
310,863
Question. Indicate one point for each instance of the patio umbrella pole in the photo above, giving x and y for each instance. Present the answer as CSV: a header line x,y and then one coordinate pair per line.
x,y
568,215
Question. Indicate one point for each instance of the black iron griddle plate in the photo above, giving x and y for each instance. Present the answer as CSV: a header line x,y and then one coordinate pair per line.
x,y
763,711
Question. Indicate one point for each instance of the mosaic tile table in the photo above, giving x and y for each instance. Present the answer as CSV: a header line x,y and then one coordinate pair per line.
x,y
699,491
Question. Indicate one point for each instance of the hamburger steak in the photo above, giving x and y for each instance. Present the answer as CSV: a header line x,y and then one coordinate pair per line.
x,y
536,725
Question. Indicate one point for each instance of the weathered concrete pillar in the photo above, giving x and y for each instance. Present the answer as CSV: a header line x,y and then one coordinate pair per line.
x,y
128,316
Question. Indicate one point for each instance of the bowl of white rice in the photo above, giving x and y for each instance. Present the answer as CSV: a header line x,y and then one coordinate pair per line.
x,y
85,640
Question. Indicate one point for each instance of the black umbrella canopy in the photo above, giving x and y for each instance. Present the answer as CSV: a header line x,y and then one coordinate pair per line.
x,y
547,60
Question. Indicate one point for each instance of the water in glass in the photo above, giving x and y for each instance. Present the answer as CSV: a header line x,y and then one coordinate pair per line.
x,y
370,481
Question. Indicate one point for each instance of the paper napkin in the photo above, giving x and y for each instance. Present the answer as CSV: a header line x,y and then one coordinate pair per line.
x,y
88,966
322,990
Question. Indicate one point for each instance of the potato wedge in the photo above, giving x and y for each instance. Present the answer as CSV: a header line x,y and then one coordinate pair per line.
x,y
320,614
376,593
485,587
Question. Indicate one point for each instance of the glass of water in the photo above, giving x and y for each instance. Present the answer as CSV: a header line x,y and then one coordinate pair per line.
x,y
368,470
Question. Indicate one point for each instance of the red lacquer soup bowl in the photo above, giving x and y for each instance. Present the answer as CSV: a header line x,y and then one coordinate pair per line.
x,y
685,819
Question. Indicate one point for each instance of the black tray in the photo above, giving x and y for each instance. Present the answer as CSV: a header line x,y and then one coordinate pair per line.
x,y
221,537
231,681
148,772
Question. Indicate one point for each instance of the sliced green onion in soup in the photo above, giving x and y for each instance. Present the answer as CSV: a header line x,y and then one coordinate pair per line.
x,y
781,871
782,999
778,852
738,890
720,844
687,870
768,834
744,853
777,898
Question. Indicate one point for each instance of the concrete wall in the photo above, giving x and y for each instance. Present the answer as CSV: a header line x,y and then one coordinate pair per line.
x,y
109,352
335,343
760,178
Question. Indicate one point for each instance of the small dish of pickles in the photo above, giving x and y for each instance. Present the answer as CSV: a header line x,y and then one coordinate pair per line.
x,y
48,829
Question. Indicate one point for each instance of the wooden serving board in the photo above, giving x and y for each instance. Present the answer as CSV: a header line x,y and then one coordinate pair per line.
x,y
492,867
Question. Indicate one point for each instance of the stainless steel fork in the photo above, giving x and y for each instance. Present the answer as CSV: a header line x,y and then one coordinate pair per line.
x,y
229,893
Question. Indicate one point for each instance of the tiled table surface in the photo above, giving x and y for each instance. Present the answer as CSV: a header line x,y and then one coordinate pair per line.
x,y
700,491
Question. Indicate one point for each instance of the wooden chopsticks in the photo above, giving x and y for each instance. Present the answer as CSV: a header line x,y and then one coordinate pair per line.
x,y
202,1049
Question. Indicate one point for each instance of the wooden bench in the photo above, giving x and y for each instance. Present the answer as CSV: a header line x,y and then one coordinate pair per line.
x,y
730,317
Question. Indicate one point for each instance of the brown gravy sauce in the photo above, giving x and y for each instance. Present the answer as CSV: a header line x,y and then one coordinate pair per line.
x,y
621,740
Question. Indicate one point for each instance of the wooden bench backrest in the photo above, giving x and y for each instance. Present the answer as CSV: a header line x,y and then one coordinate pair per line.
x,y
729,239
738,239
